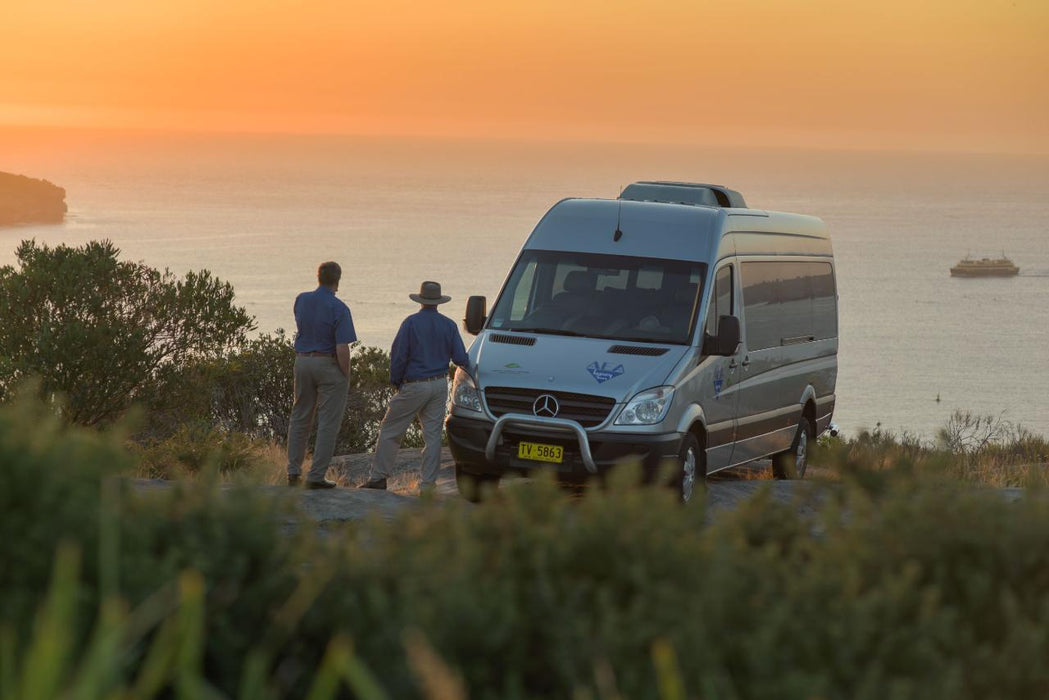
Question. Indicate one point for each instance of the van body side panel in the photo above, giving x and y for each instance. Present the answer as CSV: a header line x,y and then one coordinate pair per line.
x,y
772,386
789,319
824,411
714,387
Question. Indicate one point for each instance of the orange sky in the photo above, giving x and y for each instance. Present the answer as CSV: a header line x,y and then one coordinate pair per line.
x,y
955,74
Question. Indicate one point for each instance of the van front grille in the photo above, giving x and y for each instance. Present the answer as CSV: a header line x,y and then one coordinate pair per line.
x,y
587,410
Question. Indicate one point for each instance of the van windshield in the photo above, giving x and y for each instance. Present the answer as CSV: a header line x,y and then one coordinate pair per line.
x,y
601,296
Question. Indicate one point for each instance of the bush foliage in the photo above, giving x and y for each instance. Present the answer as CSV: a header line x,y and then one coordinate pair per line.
x,y
901,590
105,333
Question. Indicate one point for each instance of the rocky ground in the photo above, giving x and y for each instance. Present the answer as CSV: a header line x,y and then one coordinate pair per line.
x,y
725,491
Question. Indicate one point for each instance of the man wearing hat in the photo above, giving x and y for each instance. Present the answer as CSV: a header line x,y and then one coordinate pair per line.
x,y
424,345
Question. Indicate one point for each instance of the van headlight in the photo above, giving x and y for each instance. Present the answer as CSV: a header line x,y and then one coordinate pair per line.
x,y
464,391
648,407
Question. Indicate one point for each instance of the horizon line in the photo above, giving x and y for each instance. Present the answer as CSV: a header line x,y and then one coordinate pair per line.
x,y
760,144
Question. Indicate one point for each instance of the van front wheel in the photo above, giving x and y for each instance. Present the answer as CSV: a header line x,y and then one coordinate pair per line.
x,y
792,463
692,473
472,486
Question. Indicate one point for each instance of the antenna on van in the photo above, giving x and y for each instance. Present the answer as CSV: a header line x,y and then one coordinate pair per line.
x,y
619,216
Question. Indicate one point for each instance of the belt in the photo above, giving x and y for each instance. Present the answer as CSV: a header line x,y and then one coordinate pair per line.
x,y
315,354
428,379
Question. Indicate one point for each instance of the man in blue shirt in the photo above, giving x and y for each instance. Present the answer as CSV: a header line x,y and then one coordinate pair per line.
x,y
424,345
322,375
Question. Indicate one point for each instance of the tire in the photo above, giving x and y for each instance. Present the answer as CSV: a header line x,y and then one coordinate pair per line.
x,y
793,463
474,487
691,475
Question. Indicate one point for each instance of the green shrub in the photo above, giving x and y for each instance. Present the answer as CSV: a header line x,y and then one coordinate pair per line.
x,y
197,447
57,488
105,333
903,587
102,334
50,491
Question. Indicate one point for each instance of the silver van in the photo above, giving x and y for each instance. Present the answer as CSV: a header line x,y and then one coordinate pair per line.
x,y
671,325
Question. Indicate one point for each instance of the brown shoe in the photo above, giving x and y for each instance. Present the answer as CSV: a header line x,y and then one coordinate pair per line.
x,y
320,484
379,484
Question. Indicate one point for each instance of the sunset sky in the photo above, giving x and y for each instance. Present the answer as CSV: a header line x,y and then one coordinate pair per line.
x,y
951,74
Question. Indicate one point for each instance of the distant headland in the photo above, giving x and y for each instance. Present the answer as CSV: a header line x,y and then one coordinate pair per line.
x,y
25,200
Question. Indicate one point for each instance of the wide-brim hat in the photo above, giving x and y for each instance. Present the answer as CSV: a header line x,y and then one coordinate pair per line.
x,y
430,294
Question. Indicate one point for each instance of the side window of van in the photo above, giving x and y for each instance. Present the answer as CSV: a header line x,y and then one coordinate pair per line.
x,y
824,302
788,302
721,299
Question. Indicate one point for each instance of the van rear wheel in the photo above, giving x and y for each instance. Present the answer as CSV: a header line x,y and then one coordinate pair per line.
x,y
471,486
792,463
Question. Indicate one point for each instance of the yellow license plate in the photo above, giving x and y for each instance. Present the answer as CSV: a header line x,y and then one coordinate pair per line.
x,y
541,453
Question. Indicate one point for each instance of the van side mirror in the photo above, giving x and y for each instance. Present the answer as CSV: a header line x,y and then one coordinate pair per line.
x,y
476,314
727,339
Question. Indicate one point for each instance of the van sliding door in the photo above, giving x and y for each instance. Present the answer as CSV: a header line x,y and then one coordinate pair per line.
x,y
718,376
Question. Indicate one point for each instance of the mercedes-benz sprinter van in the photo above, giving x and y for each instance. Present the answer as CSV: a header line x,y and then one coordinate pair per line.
x,y
671,326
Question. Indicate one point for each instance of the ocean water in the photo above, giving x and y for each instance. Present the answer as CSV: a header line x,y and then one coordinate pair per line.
x,y
262,211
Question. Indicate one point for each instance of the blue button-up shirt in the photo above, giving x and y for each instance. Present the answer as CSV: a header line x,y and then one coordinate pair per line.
x,y
323,321
424,345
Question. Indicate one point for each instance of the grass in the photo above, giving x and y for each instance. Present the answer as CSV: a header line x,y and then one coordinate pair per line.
x,y
985,450
969,449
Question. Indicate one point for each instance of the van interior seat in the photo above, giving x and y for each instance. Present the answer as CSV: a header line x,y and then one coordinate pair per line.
x,y
579,288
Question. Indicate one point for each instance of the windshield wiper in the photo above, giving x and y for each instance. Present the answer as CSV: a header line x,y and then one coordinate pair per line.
x,y
548,331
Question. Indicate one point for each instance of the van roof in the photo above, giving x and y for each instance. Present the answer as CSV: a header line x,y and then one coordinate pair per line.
x,y
658,229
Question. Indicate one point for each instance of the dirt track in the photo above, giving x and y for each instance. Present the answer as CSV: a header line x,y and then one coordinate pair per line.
x,y
725,491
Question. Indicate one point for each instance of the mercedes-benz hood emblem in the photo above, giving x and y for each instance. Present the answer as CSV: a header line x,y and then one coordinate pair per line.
x,y
546,406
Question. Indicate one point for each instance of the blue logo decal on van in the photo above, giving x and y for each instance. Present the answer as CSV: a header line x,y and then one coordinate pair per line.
x,y
602,371
719,381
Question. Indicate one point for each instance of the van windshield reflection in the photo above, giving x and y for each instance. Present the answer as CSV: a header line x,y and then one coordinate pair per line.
x,y
600,296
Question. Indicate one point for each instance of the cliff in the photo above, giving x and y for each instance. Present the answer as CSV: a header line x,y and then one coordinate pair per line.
x,y
24,200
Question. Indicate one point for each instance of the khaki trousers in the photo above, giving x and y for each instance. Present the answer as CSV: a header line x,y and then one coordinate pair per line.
x,y
427,401
320,392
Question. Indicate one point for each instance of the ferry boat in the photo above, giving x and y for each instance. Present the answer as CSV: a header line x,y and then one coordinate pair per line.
x,y
985,267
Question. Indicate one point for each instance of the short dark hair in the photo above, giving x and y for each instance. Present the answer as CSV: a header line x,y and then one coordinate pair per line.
x,y
329,274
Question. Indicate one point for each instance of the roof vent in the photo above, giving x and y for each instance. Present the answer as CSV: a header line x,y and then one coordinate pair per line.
x,y
684,193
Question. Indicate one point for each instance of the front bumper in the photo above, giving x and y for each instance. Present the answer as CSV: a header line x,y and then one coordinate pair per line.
x,y
474,451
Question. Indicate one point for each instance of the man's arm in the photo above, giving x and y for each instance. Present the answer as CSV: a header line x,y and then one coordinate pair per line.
x,y
342,354
459,355
399,354
344,335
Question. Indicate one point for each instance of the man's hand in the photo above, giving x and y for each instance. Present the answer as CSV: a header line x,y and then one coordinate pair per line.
x,y
342,354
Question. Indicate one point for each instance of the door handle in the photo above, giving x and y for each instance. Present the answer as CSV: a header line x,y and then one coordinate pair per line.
x,y
746,361
732,363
